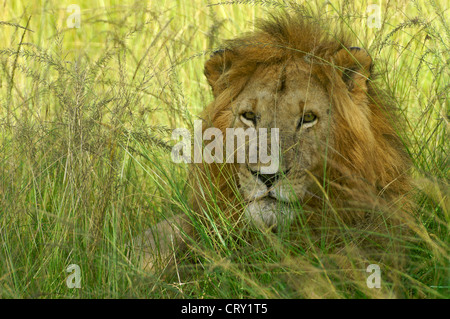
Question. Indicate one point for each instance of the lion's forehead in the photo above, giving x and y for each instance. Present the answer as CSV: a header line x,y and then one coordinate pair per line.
x,y
300,91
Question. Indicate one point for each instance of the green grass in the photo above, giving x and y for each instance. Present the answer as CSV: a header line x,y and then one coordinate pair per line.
x,y
85,128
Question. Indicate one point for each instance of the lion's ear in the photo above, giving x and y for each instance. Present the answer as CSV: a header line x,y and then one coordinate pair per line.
x,y
355,66
216,69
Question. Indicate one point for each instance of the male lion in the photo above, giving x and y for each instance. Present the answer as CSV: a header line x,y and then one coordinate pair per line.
x,y
340,158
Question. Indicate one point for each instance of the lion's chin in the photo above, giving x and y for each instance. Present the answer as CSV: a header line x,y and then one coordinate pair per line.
x,y
269,213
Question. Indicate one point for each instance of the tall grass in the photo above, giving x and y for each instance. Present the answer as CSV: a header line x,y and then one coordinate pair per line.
x,y
85,128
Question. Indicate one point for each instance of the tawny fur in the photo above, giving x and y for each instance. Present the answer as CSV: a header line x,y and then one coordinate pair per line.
x,y
369,161
367,167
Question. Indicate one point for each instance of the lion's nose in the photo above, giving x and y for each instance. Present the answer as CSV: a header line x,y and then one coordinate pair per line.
x,y
269,179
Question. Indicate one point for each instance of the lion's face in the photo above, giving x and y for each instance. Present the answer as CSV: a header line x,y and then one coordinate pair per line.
x,y
289,98
333,123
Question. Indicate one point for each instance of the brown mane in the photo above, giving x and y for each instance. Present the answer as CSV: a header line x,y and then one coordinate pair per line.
x,y
369,164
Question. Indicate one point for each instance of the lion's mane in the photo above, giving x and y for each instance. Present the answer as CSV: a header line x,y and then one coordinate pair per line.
x,y
368,165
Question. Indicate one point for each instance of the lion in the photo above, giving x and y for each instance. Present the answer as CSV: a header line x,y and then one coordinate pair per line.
x,y
338,146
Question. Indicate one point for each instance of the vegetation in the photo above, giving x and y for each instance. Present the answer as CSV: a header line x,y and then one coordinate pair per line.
x,y
85,136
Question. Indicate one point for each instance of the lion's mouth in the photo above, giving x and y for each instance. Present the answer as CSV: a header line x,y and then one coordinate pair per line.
x,y
284,189
269,212
273,193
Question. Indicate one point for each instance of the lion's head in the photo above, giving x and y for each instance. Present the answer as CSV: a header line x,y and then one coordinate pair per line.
x,y
335,139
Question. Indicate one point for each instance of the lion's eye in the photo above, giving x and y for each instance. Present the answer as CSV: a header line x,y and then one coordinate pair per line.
x,y
308,118
249,116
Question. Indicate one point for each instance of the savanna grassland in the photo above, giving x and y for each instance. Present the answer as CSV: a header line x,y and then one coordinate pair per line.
x,y
86,116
